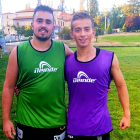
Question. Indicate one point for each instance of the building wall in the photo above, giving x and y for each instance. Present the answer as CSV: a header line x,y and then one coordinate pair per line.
x,y
22,22
24,14
8,23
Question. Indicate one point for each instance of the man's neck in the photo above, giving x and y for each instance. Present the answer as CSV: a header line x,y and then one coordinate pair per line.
x,y
86,53
40,45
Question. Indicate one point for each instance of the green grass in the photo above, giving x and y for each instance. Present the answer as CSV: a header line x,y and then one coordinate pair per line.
x,y
129,60
128,40
120,40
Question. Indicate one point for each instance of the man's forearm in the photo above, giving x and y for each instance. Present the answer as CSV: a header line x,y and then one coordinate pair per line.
x,y
7,98
124,99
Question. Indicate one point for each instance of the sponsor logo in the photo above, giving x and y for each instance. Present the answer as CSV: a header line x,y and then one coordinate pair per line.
x,y
19,133
99,137
70,136
42,69
61,136
86,79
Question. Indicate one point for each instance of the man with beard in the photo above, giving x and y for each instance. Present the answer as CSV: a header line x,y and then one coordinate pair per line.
x,y
37,68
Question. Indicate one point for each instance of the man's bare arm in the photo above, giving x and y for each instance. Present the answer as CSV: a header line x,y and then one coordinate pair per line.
x,y
8,93
68,51
122,93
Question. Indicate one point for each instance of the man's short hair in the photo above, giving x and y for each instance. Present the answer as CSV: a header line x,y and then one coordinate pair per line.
x,y
81,15
43,8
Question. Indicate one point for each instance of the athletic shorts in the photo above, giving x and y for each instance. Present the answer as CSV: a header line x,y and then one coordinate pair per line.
x,y
30,133
100,137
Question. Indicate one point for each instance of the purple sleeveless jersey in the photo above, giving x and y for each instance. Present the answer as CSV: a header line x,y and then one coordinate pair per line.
x,y
88,82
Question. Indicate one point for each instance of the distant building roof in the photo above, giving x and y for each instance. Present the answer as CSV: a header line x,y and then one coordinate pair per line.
x,y
8,13
64,19
26,10
64,13
31,10
25,17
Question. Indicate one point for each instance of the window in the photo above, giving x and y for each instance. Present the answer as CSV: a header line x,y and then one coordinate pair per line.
x,y
7,17
63,23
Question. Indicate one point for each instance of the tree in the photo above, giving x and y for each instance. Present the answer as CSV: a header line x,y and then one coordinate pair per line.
x,y
94,8
124,28
64,33
28,31
20,30
132,22
97,20
134,6
61,6
109,29
96,34
116,17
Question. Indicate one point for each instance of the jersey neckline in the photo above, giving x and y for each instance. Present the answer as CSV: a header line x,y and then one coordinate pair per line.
x,y
42,51
97,53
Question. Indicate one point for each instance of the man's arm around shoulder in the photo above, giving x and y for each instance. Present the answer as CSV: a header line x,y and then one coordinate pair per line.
x,y
8,93
122,93
68,51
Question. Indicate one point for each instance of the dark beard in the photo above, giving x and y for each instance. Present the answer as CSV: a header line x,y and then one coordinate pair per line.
x,y
42,38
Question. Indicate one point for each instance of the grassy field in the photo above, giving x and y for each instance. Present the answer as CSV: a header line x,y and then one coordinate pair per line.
x,y
113,40
129,59
123,39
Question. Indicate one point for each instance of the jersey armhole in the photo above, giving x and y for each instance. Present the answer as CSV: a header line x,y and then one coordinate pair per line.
x,y
111,66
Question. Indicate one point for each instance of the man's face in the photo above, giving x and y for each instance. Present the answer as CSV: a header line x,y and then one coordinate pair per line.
x,y
82,32
42,25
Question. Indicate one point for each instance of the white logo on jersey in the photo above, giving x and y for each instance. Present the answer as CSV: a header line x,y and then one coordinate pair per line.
x,y
79,79
42,69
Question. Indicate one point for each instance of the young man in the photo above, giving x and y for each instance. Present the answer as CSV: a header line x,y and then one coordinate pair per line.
x,y
0,51
89,72
37,68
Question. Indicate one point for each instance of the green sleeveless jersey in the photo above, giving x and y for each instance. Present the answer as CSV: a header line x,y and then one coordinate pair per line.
x,y
41,81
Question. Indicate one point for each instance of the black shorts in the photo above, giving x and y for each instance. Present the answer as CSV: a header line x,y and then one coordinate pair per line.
x,y
100,137
30,133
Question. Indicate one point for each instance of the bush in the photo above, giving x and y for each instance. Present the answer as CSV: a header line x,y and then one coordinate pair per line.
x,y
124,28
30,37
64,33
96,34
109,29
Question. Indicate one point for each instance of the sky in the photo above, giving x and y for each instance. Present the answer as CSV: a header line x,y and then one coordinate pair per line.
x,y
18,5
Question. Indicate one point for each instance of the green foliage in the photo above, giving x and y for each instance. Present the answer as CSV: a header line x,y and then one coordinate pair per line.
x,y
61,6
30,37
96,34
124,29
64,33
20,30
94,8
23,31
109,29
115,17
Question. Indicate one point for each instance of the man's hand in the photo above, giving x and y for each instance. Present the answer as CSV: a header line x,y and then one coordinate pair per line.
x,y
8,127
124,123
108,90
17,91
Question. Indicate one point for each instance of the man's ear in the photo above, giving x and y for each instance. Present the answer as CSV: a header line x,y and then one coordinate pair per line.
x,y
71,34
94,32
32,25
